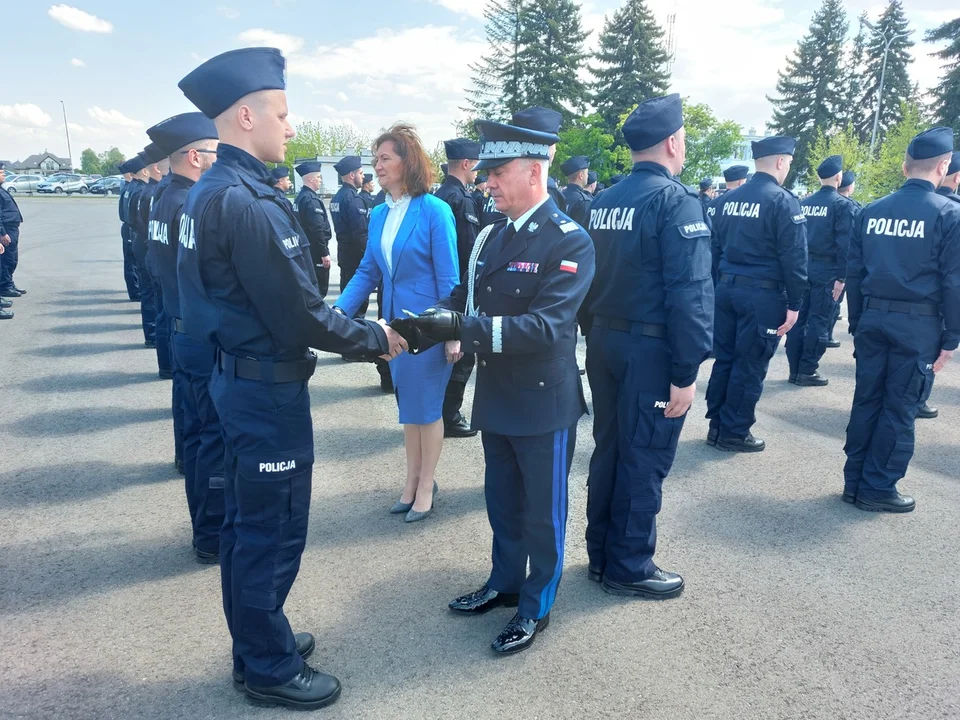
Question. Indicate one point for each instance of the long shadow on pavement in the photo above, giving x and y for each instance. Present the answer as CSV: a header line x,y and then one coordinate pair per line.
x,y
97,291
78,421
94,313
66,483
74,301
323,395
70,350
86,381
91,328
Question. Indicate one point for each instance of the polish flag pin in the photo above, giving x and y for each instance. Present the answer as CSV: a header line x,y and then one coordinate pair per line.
x,y
569,266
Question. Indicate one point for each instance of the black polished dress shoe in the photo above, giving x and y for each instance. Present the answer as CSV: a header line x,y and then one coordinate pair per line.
x,y
927,413
149,344
9,293
519,634
814,379
897,503
6,315
594,573
713,432
305,647
206,558
792,379
309,690
482,600
20,290
458,429
849,497
4,304
660,585
831,343
749,444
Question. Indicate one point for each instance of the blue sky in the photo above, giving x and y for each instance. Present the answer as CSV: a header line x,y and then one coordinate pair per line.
x,y
368,63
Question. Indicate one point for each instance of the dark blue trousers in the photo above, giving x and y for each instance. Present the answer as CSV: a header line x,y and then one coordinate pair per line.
x,y
807,340
895,355
148,306
11,258
268,445
744,341
162,330
629,377
130,276
202,440
525,484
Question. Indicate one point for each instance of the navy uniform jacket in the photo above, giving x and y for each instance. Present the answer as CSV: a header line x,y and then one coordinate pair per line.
x,y
527,294
313,219
349,219
479,200
122,210
156,191
829,222
10,216
139,215
454,193
578,203
906,247
245,272
164,230
711,212
489,213
653,263
762,234
128,202
556,195
369,200
948,193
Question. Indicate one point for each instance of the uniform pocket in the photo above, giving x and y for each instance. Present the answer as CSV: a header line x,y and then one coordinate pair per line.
x,y
900,457
540,375
921,381
765,346
654,430
273,488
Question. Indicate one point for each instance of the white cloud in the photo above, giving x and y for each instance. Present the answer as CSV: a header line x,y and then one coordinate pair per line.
x,y
77,19
77,62
228,12
342,96
289,44
25,115
113,118
472,8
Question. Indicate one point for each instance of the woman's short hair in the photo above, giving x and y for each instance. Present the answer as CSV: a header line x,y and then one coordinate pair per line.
x,y
417,168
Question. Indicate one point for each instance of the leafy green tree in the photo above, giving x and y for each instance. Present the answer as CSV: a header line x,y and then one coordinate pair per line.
x,y
897,87
850,110
588,136
109,161
886,172
497,77
810,89
856,157
89,162
631,62
946,104
313,139
709,140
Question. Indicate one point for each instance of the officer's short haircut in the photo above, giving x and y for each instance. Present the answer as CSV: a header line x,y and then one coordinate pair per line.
x,y
544,168
418,172
927,165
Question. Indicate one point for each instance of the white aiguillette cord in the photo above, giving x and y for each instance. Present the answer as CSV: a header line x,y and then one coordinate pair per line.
x,y
472,310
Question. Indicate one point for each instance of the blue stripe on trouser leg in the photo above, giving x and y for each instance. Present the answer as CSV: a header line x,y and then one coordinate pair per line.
x,y
503,491
549,593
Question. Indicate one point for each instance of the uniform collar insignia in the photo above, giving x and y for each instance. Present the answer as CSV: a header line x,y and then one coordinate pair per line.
x,y
532,226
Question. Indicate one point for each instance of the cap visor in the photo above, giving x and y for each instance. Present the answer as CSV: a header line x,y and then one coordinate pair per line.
x,y
492,163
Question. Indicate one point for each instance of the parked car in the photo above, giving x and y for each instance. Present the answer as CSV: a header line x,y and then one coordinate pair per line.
x,y
63,183
107,186
22,183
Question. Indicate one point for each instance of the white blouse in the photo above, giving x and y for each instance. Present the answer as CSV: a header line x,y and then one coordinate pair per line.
x,y
391,226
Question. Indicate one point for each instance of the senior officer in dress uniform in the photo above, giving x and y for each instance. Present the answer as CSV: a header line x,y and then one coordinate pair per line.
x,y
190,142
312,216
350,222
575,194
544,120
734,176
650,314
763,275
10,219
462,155
247,286
130,277
903,296
829,220
526,280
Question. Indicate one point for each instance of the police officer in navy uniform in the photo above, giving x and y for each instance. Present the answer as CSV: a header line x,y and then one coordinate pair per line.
x,y
366,192
734,176
130,277
903,297
829,220
650,318
516,308
281,181
847,187
190,142
462,155
591,183
575,194
349,215
479,194
129,203
312,216
707,193
10,220
544,120
247,286
763,275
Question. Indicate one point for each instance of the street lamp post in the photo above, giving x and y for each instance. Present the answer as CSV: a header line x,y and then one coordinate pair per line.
x,y
883,73
67,131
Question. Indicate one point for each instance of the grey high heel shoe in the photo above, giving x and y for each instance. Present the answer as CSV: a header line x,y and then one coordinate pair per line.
x,y
416,515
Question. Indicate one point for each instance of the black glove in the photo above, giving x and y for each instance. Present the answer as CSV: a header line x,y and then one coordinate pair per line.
x,y
439,325
406,328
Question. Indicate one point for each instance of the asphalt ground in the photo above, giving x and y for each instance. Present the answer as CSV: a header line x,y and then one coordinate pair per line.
x,y
796,606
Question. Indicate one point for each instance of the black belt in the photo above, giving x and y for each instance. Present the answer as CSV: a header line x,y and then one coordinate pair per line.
x,y
648,329
750,282
823,258
178,326
267,370
901,306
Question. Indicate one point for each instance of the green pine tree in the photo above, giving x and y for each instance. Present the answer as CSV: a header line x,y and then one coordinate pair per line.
x,y
851,112
946,104
897,86
632,62
551,53
810,89
497,77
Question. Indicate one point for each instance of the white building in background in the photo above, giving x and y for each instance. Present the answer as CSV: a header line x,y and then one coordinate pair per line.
x,y
742,155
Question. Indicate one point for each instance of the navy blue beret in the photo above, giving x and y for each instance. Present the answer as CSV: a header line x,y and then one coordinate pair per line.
x,y
591,177
480,179
774,145
931,143
575,164
367,177
444,168
461,149
180,130
614,179
538,118
310,166
830,167
348,165
706,183
654,120
279,173
153,154
954,164
500,143
222,80
136,163
848,179
736,172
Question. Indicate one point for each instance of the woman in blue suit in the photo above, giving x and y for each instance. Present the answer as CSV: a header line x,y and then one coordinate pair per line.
x,y
412,248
